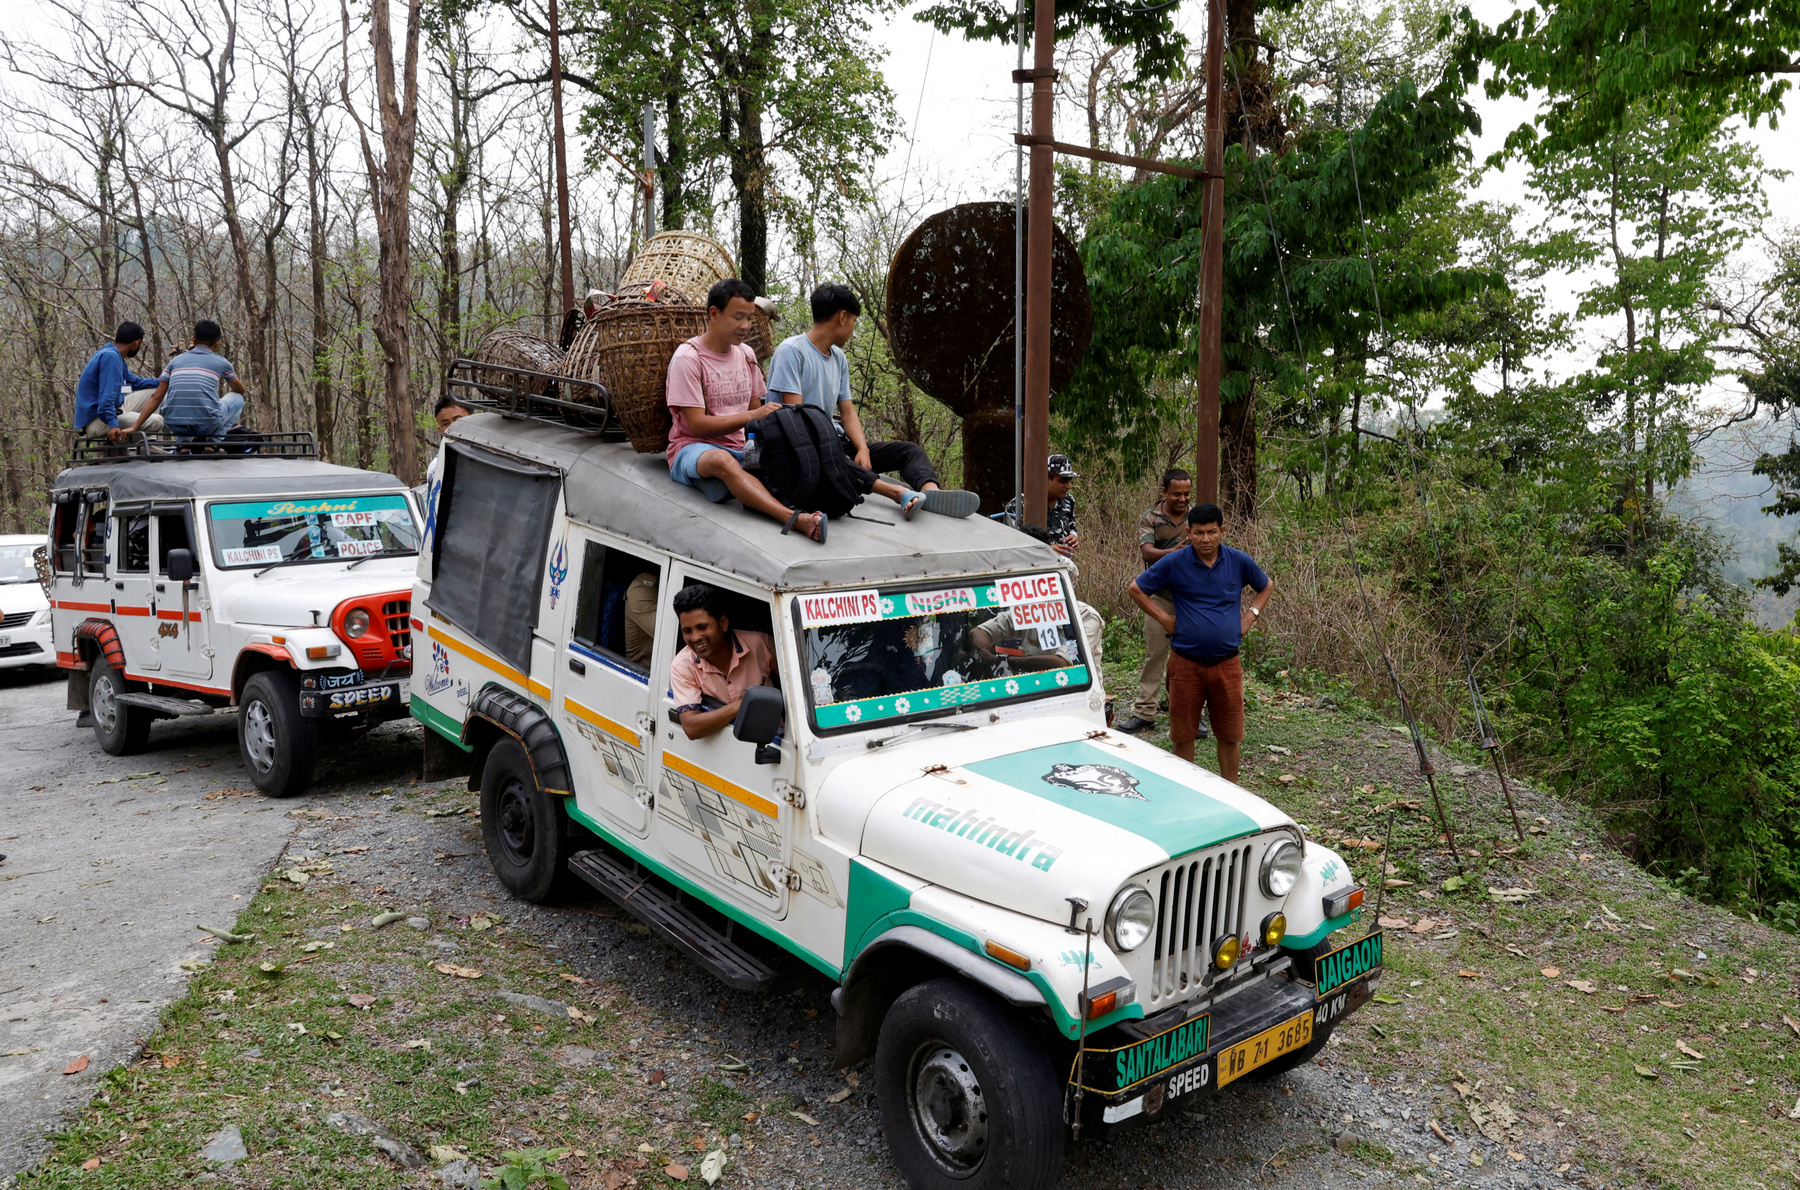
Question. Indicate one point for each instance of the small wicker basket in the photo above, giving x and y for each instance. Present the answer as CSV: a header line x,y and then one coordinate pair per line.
x,y
631,345
690,263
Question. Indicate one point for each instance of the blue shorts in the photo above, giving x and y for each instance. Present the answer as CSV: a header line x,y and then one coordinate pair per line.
x,y
684,468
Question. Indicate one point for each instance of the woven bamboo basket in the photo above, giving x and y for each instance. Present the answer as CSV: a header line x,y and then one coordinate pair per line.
x,y
514,348
687,261
632,345
583,363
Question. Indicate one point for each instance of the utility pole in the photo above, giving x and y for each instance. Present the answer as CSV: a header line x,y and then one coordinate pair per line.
x,y
562,164
649,171
1212,269
1037,263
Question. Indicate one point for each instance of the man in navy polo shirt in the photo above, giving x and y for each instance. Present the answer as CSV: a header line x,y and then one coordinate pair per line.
x,y
1206,583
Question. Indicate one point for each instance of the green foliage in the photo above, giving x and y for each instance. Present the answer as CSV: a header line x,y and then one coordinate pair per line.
x,y
1147,28
529,1167
1784,470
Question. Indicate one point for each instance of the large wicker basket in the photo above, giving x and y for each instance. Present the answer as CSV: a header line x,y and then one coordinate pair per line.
x,y
583,363
687,261
632,343
514,348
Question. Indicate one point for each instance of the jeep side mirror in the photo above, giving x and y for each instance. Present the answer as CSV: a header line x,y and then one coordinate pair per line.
x,y
759,715
181,565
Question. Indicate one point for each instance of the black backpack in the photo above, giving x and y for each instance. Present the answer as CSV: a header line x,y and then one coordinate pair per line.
x,y
802,463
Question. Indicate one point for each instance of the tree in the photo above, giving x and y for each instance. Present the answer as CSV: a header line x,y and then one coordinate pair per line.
x,y
390,189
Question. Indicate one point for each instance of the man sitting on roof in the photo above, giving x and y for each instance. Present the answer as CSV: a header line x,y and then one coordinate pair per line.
x,y
99,410
188,389
716,665
714,391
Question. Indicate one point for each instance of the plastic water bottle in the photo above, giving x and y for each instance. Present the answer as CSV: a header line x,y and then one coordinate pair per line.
x,y
752,448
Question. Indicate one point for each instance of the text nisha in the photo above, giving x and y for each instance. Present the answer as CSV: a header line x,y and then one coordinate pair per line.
x,y
969,824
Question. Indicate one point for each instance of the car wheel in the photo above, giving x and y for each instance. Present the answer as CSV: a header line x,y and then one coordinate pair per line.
x,y
968,1097
121,730
522,827
278,743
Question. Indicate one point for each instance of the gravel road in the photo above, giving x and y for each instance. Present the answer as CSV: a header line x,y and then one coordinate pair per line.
x,y
112,862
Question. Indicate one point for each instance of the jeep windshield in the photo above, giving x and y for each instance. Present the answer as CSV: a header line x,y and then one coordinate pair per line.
x,y
16,565
312,529
879,656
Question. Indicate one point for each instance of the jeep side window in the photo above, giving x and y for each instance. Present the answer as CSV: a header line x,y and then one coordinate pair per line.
x,y
93,541
171,534
67,514
134,543
616,610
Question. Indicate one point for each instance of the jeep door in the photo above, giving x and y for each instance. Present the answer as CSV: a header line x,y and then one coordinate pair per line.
x,y
719,814
603,701
133,616
185,630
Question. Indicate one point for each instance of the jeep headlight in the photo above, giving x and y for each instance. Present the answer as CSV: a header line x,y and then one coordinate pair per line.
x,y
1130,919
1281,868
356,623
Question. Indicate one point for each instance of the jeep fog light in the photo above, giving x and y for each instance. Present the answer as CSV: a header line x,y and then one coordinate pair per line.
x,y
1281,869
356,623
1130,918
1225,952
1274,929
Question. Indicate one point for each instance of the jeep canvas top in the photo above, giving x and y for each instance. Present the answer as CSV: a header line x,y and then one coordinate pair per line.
x,y
186,584
1032,921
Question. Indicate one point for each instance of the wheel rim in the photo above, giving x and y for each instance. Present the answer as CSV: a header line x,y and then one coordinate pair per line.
x,y
518,834
259,735
106,707
948,1109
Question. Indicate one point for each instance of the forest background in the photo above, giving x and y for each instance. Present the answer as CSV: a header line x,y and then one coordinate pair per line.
x,y
1510,439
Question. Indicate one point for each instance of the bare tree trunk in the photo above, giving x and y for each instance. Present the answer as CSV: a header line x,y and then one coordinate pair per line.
x,y
390,184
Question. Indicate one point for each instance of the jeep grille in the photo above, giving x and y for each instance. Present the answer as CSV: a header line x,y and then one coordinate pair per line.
x,y
398,613
1199,899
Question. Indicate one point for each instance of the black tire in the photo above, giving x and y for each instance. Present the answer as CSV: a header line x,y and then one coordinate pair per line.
x,y
121,730
969,1098
279,745
522,827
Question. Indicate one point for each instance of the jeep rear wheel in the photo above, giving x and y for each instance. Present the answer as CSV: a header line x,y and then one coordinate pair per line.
x,y
278,743
521,826
968,1097
120,729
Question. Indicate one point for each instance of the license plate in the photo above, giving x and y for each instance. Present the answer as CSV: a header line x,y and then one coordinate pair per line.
x,y
5,642
1349,962
362,696
1265,1047
340,681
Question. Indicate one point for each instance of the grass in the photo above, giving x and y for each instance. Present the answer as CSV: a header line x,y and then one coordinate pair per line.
x,y
1598,1076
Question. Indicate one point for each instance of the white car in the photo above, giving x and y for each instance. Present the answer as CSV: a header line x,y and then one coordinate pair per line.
x,y
272,582
24,608
1032,921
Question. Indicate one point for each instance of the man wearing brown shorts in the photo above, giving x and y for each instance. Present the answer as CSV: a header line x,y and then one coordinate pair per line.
x,y
1206,583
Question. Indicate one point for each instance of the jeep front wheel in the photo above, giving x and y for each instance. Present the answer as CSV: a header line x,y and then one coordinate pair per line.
x,y
968,1098
120,729
279,744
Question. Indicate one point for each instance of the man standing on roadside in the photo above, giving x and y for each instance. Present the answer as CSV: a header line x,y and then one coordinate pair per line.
x,y
1161,531
1206,582
100,411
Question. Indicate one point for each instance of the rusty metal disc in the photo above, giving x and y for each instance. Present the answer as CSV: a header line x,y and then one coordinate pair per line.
x,y
950,308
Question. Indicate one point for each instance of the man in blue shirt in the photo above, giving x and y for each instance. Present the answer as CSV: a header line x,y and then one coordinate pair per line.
x,y
100,409
811,369
1206,583
188,389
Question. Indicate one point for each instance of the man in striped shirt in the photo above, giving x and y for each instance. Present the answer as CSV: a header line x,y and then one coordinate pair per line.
x,y
187,392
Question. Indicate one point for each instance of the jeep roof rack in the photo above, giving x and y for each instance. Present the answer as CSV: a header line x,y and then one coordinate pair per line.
x,y
140,447
521,392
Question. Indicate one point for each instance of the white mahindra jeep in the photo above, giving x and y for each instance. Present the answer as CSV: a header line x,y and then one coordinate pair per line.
x,y
1033,922
184,584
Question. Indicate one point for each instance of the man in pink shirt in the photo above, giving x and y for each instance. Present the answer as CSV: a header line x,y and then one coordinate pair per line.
x,y
715,389
710,674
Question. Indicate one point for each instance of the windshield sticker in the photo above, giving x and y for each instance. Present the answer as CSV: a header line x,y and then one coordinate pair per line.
x,y
559,570
251,555
840,607
1039,615
988,832
1105,779
345,520
869,710
935,603
352,548
1029,588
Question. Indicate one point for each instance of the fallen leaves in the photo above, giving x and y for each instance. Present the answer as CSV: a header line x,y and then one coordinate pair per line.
x,y
1791,1023
483,921
1643,1071
386,919
1389,922
839,1096
1453,883
1465,973
804,1118
1689,1050
678,1172
1511,896
1550,972
310,947
1287,778
1586,987
91,1164
1399,884
459,972
712,1166
419,1043
77,1066
1441,1134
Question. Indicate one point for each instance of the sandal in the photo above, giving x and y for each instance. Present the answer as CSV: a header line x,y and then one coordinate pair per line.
x,y
911,502
788,526
950,502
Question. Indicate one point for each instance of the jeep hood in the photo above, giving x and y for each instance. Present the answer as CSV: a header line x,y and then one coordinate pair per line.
x,y
288,597
1026,827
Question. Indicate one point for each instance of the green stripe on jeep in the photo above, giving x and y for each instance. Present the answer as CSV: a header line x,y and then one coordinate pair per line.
x,y
1306,941
1176,817
439,722
872,897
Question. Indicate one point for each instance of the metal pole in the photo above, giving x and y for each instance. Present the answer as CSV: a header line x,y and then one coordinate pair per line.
x,y
1212,270
562,164
1037,265
1019,262
649,170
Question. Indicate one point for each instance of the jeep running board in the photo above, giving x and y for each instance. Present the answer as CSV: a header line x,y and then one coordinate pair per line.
x,y
164,705
658,906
